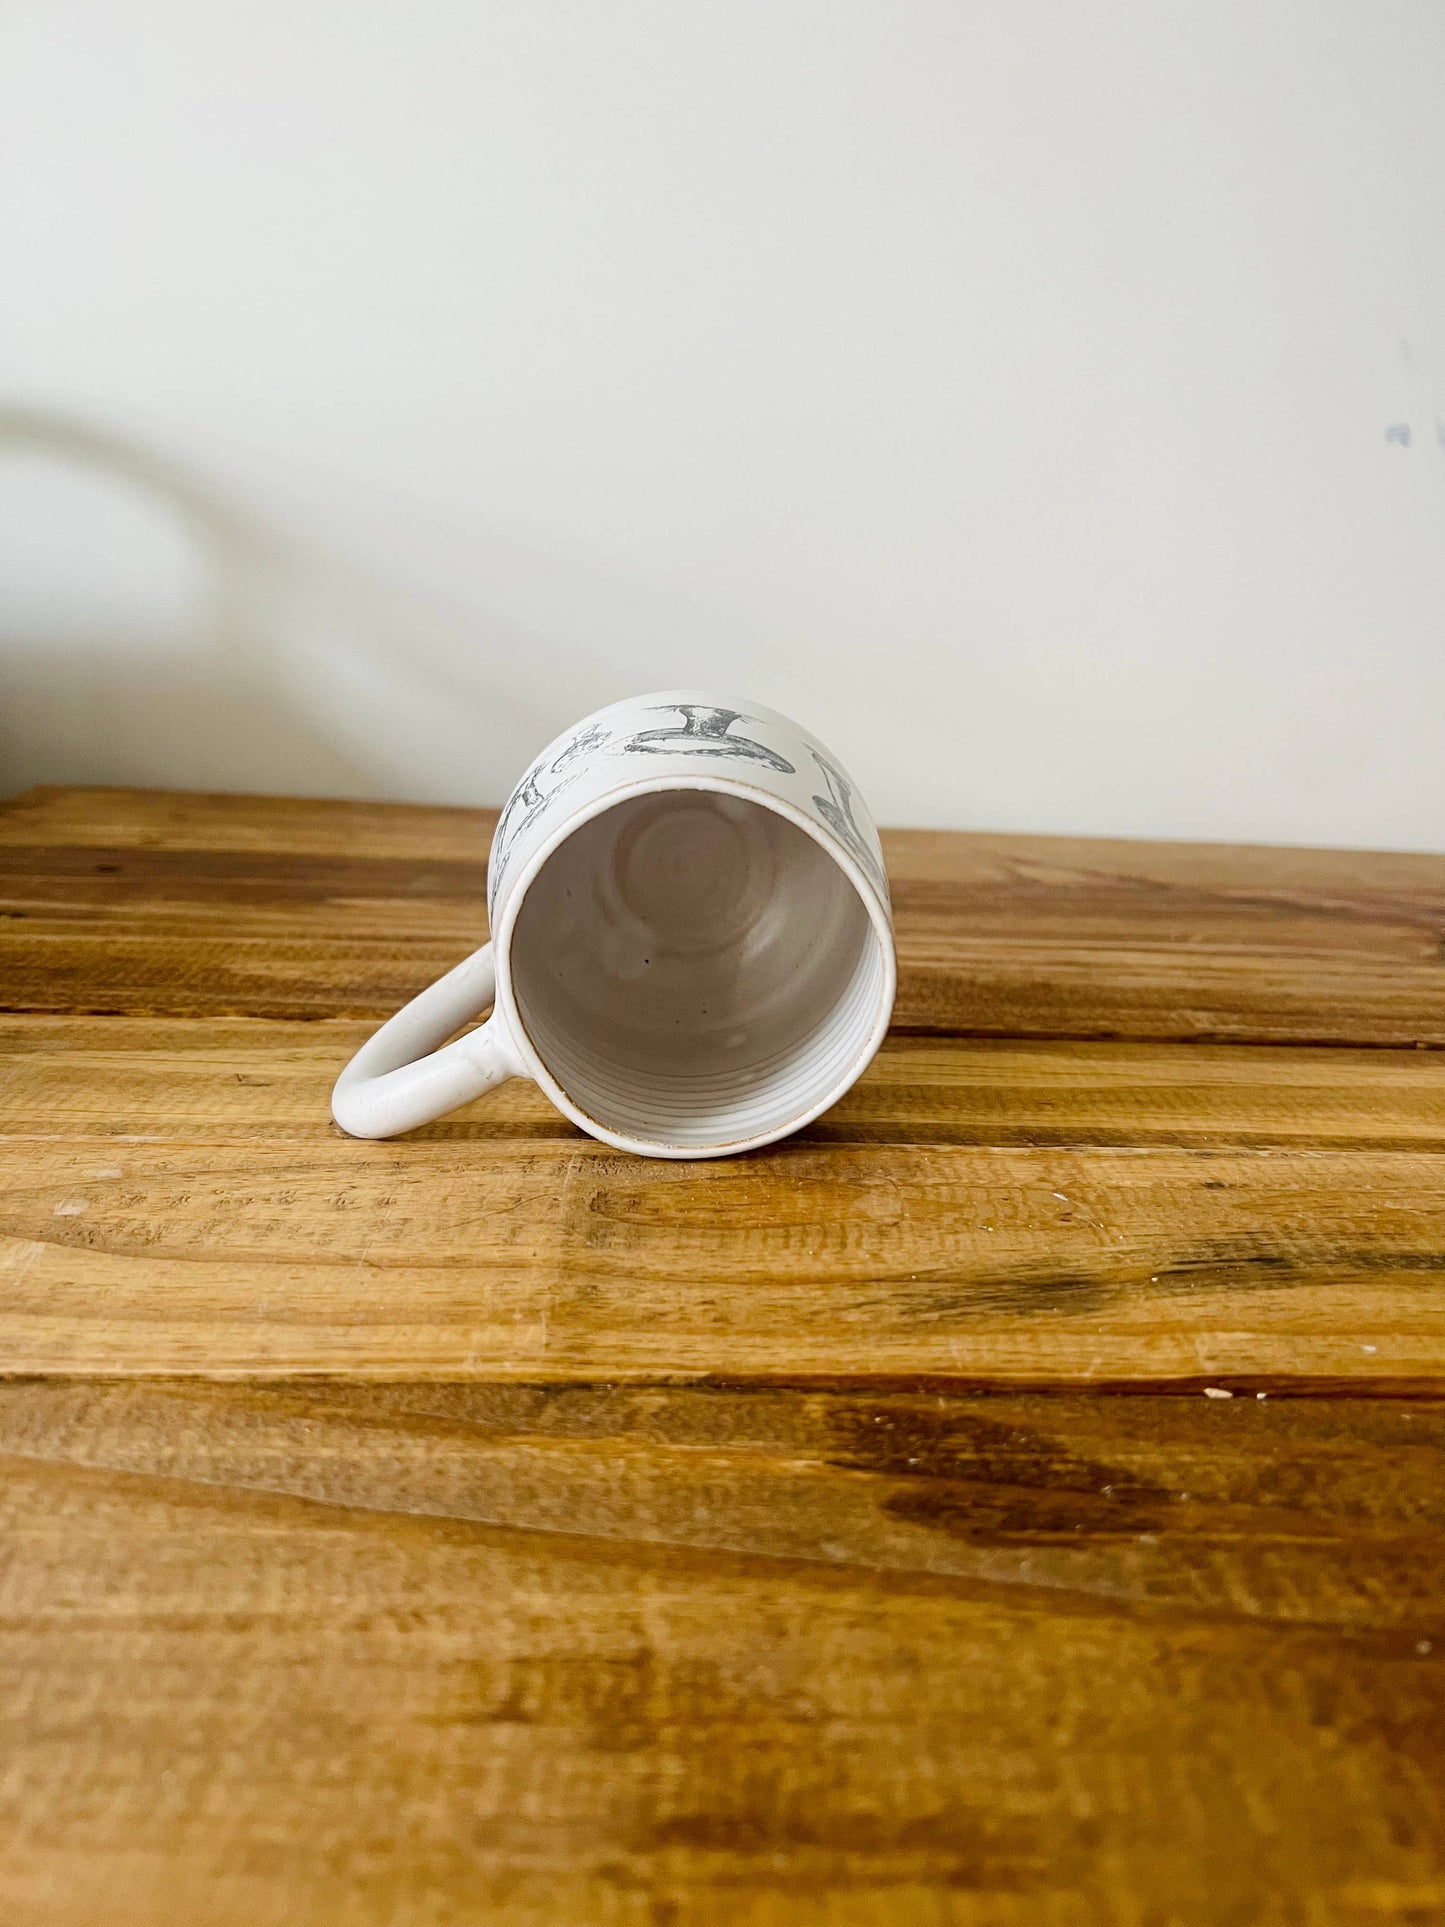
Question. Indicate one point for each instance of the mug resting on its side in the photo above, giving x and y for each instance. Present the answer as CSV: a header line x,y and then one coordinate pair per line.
x,y
692,946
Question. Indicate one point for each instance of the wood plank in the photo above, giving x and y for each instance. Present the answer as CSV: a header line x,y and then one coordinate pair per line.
x,y
142,902
1002,1265
451,1654
230,1080
174,1198
1079,937
89,816
1312,1511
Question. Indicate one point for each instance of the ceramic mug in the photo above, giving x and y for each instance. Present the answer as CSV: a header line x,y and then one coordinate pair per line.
x,y
692,946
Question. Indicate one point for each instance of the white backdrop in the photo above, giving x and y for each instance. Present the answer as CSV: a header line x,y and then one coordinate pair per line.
x,y
1045,402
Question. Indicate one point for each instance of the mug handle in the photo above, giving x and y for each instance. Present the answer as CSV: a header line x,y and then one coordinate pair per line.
x,y
400,1078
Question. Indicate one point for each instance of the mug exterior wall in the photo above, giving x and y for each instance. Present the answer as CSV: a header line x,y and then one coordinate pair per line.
x,y
672,737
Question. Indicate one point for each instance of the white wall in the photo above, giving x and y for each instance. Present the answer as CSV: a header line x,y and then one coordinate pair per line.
x,y
1007,389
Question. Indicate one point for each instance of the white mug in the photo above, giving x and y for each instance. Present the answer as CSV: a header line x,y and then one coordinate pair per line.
x,y
692,945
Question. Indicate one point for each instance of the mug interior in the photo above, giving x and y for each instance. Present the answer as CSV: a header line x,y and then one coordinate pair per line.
x,y
695,971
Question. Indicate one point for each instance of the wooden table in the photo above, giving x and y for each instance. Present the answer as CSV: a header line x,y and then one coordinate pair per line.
x,y
1016,1500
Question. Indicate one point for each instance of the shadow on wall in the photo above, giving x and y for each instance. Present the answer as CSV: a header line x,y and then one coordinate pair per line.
x,y
155,631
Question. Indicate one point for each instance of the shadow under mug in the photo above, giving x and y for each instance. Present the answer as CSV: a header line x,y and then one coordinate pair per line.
x,y
692,948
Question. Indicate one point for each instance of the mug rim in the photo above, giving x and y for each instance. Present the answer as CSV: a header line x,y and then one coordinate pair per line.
x,y
879,917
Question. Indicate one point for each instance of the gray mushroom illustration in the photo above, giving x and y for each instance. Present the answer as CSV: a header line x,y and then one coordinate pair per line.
x,y
836,810
705,731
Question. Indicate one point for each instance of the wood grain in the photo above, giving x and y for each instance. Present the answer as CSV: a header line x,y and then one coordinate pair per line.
x,y
575,1656
486,1526
173,1198
143,903
238,1080
994,1265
